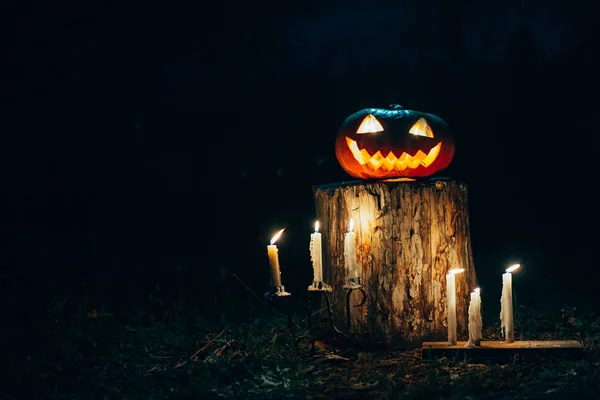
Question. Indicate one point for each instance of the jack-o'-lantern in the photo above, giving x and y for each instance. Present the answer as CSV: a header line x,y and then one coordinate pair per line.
x,y
390,144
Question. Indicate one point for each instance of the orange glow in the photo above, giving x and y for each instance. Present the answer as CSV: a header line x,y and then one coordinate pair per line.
x,y
391,161
370,125
456,271
513,267
277,235
351,227
421,128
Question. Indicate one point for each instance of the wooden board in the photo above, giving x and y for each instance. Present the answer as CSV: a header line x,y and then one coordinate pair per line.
x,y
408,235
499,351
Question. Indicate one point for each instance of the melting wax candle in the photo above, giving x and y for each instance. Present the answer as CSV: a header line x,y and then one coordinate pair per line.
x,y
316,255
350,252
475,320
273,254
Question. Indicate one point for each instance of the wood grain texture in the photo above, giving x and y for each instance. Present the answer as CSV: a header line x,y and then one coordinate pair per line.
x,y
409,235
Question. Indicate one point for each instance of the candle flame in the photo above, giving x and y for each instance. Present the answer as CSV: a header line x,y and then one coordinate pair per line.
x,y
351,228
477,290
316,226
456,271
513,267
277,235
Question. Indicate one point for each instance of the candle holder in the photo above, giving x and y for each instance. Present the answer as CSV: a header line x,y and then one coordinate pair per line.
x,y
324,293
280,292
280,296
320,286
313,294
352,285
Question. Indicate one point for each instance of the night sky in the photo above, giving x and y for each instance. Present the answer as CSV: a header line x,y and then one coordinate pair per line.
x,y
144,137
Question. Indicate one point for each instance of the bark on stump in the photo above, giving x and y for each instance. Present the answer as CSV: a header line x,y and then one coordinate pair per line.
x,y
408,236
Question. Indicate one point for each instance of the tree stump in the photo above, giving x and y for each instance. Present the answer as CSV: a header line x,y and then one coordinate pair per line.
x,y
408,236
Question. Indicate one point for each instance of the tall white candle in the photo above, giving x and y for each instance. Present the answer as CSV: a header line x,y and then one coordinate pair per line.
x,y
475,320
350,252
316,254
451,298
451,303
506,303
273,254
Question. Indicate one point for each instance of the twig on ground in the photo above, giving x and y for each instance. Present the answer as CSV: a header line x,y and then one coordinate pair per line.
x,y
222,348
206,346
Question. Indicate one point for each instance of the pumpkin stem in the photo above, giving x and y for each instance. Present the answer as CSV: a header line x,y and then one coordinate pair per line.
x,y
396,107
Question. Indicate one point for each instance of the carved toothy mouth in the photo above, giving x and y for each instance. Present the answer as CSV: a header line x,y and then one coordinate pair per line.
x,y
391,161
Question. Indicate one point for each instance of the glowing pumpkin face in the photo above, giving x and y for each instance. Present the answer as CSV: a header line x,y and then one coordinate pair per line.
x,y
387,144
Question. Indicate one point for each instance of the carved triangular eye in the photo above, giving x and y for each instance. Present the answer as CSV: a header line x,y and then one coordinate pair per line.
x,y
370,125
421,128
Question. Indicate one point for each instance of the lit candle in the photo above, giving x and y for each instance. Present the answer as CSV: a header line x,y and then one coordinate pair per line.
x,y
475,321
451,298
316,254
350,252
506,303
272,251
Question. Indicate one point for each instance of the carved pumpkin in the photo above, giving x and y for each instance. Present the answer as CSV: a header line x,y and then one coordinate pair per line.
x,y
387,144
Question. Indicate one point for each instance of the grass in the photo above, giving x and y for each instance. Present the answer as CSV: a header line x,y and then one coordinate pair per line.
x,y
176,352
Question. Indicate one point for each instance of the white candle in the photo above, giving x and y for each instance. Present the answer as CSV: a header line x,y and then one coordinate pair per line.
x,y
273,254
350,252
316,254
506,303
451,302
475,321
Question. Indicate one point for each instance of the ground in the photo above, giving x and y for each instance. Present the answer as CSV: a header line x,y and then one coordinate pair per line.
x,y
179,353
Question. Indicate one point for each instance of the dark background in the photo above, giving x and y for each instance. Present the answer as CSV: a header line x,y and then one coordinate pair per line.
x,y
164,144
